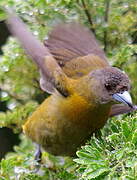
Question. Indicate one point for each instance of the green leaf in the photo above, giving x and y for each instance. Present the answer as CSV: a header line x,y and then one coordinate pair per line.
x,y
91,174
126,129
134,138
2,14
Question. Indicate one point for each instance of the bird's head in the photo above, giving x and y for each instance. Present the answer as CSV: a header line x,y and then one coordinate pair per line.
x,y
110,85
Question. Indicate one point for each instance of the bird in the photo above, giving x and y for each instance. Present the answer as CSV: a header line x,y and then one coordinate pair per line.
x,y
84,89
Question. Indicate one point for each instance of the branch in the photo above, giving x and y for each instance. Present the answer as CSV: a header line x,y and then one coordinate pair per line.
x,y
87,13
107,5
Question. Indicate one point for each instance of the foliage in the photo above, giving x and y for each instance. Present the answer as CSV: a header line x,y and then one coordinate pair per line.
x,y
13,67
16,119
21,165
113,155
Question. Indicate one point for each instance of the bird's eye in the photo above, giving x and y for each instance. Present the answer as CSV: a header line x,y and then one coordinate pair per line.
x,y
108,87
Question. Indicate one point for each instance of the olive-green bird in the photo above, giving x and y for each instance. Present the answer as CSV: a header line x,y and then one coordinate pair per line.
x,y
85,90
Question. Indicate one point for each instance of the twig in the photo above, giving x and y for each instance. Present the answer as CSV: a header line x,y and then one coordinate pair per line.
x,y
87,13
106,16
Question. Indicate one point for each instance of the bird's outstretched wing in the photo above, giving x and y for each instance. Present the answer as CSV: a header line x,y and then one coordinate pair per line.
x,y
76,49
35,49
68,41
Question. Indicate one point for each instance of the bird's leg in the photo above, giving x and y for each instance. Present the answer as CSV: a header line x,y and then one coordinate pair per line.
x,y
38,153
98,134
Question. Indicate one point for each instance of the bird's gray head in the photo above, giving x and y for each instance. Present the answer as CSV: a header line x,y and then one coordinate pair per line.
x,y
111,85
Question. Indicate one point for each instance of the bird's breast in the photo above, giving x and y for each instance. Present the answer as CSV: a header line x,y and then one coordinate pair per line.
x,y
60,125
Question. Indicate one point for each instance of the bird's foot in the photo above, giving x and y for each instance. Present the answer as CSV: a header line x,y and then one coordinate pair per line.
x,y
38,154
37,158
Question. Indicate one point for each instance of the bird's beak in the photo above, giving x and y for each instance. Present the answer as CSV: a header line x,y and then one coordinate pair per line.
x,y
123,98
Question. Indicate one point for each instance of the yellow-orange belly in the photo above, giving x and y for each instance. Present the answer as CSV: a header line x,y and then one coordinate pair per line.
x,y
61,125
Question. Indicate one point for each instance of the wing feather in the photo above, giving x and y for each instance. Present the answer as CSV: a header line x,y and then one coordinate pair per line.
x,y
118,109
68,41
35,49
